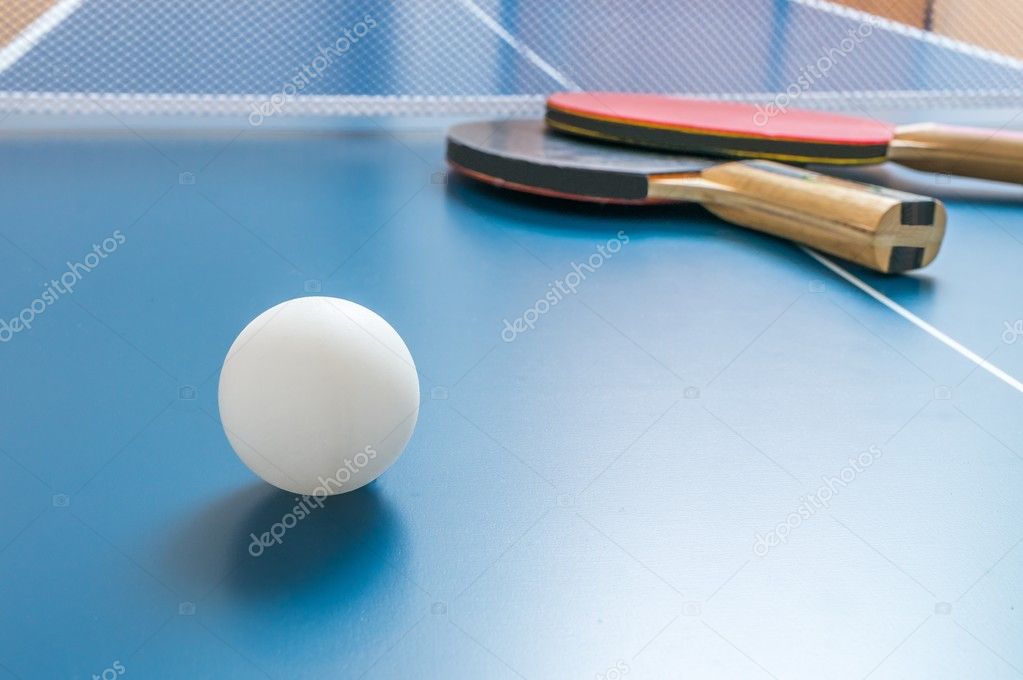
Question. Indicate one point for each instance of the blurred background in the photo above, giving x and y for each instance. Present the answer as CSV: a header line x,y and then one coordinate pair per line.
x,y
434,57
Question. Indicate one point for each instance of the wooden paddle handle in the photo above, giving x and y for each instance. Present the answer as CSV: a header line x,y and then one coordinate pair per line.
x,y
888,231
975,152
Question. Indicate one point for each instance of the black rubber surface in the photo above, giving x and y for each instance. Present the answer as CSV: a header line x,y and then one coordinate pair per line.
x,y
527,153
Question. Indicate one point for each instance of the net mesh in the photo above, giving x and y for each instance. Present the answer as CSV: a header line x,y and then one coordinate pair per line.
x,y
267,59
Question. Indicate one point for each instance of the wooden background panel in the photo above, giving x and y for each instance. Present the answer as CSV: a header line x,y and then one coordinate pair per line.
x,y
15,15
994,24
910,12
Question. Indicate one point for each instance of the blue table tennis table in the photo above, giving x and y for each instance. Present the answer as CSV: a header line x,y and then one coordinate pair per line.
x,y
719,456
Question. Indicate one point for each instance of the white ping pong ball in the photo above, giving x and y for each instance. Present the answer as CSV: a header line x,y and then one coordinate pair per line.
x,y
318,395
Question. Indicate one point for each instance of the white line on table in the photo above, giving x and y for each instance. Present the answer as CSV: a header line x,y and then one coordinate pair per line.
x,y
917,321
518,46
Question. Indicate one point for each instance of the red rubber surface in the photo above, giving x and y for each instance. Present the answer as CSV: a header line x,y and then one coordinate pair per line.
x,y
727,118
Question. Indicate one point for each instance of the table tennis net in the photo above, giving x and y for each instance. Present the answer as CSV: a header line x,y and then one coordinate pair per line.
x,y
266,59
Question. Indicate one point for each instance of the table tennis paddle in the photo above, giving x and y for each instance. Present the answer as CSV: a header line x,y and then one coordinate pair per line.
x,y
889,231
749,131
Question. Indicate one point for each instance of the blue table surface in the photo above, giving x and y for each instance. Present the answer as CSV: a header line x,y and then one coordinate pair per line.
x,y
582,499
652,481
